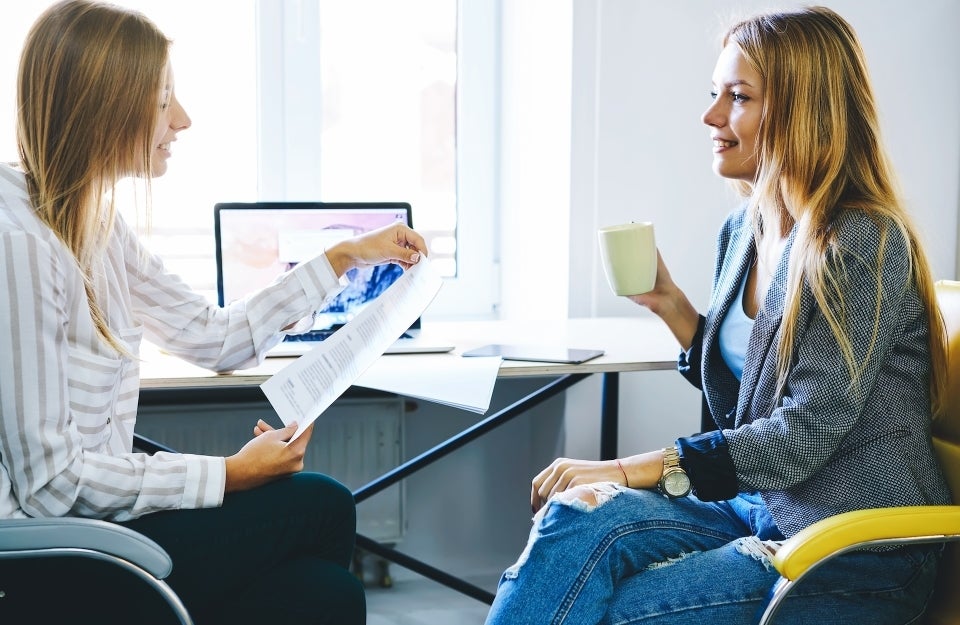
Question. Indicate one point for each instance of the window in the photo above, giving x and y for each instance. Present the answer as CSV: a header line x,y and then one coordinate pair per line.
x,y
333,100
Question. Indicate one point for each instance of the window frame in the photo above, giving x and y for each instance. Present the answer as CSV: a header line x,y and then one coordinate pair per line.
x,y
288,46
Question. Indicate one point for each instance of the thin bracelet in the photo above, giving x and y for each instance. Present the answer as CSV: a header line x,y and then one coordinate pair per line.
x,y
626,481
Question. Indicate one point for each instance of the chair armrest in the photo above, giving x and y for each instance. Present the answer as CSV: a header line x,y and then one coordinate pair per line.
x,y
149,445
849,530
79,533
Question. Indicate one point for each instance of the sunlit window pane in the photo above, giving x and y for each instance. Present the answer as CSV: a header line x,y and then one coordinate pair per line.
x,y
215,160
388,83
387,78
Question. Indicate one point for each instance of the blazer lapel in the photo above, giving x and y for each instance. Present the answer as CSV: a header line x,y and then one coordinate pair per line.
x,y
721,385
766,329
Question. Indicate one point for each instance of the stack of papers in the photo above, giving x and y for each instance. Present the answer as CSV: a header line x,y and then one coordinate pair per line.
x,y
302,390
465,383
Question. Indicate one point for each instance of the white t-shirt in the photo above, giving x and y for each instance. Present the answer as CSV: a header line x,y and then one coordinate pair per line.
x,y
735,332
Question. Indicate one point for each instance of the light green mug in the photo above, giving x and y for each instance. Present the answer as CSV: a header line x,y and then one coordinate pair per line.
x,y
629,256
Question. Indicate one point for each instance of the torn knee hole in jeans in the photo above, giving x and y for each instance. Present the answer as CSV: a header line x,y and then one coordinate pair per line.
x,y
669,561
751,546
586,498
759,550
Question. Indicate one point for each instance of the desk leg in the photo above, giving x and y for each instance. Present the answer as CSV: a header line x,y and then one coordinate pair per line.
x,y
609,416
430,572
475,431
432,455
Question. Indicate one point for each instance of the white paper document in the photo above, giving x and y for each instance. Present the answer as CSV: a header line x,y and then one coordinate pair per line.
x,y
302,390
465,383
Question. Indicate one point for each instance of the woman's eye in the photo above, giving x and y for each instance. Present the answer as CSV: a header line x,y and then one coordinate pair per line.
x,y
713,95
165,98
738,97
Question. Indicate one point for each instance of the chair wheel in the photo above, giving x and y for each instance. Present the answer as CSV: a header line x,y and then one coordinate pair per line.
x,y
386,580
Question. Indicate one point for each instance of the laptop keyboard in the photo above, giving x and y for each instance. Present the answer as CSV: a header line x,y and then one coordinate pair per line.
x,y
322,335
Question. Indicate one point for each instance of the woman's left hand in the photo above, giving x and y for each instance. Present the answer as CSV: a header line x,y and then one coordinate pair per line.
x,y
565,473
640,471
395,243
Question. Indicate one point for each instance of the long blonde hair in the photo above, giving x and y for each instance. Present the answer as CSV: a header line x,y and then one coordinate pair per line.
x,y
88,97
820,153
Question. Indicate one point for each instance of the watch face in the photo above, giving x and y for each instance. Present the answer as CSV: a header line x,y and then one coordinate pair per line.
x,y
676,483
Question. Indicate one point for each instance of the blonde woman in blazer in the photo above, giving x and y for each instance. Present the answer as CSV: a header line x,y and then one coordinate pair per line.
x,y
820,358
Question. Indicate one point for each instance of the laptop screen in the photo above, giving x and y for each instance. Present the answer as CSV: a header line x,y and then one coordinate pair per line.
x,y
258,241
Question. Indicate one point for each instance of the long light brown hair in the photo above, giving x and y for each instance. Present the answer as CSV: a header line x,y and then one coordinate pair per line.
x,y
820,153
88,98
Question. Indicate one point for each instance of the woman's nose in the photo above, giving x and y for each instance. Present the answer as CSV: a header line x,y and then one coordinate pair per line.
x,y
712,116
179,120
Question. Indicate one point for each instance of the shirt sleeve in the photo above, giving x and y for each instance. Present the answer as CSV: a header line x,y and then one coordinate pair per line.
x,y
57,404
235,336
689,361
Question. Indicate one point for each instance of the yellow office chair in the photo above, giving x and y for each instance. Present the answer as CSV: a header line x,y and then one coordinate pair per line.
x,y
854,530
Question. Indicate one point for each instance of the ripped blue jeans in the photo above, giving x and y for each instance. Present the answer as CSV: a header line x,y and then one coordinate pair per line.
x,y
637,557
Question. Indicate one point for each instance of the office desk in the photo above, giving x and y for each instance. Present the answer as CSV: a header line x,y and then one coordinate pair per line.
x,y
629,343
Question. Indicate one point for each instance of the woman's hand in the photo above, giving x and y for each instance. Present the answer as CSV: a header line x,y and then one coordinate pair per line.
x,y
266,457
395,243
640,471
565,473
668,302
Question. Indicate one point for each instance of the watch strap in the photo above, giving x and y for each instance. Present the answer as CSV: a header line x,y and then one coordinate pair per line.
x,y
671,458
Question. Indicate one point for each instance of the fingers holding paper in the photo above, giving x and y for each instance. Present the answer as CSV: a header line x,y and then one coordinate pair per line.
x,y
261,427
395,243
268,456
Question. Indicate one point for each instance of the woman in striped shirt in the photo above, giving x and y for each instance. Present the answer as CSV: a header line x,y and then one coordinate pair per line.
x,y
252,538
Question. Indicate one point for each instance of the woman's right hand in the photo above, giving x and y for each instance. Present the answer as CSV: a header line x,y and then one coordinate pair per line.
x,y
266,457
668,302
395,243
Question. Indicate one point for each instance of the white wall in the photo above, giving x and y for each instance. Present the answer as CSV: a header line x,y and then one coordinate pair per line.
x,y
641,79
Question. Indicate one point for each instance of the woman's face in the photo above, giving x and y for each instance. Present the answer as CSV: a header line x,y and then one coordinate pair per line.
x,y
734,116
172,119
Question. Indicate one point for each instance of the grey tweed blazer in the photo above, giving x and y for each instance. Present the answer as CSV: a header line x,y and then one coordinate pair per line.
x,y
828,446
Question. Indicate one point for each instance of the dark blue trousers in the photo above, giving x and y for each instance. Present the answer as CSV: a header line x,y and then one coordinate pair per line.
x,y
276,554
279,554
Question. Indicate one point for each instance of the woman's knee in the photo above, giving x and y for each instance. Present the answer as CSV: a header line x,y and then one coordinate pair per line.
x,y
302,497
324,492
321,592
588,496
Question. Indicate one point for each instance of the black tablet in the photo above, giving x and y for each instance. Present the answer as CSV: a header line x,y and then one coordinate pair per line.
x,y
536,353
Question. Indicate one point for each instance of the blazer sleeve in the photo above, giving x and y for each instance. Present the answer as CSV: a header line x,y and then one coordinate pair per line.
x,y
689,362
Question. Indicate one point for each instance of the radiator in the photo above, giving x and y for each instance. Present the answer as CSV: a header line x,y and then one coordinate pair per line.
x,y
354,441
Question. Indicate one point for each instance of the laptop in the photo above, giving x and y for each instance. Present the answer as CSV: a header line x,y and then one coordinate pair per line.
x,y
258,241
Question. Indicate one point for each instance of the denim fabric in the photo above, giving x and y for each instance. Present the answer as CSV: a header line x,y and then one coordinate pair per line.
x,y
641,558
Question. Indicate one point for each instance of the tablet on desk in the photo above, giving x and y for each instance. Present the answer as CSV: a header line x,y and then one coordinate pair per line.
x,y
537,353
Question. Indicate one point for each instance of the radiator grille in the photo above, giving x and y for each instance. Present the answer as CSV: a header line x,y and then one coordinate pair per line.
x,y
354,441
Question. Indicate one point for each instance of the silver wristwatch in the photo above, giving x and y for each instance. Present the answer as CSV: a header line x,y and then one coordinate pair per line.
x,y
674,482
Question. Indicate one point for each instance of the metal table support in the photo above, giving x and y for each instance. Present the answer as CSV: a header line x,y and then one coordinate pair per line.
x,y
608,445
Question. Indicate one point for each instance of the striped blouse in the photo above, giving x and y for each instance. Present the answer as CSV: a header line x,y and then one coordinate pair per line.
x,y
68,402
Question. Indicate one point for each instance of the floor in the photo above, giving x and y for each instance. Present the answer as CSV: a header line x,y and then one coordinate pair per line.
x,y
422,602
